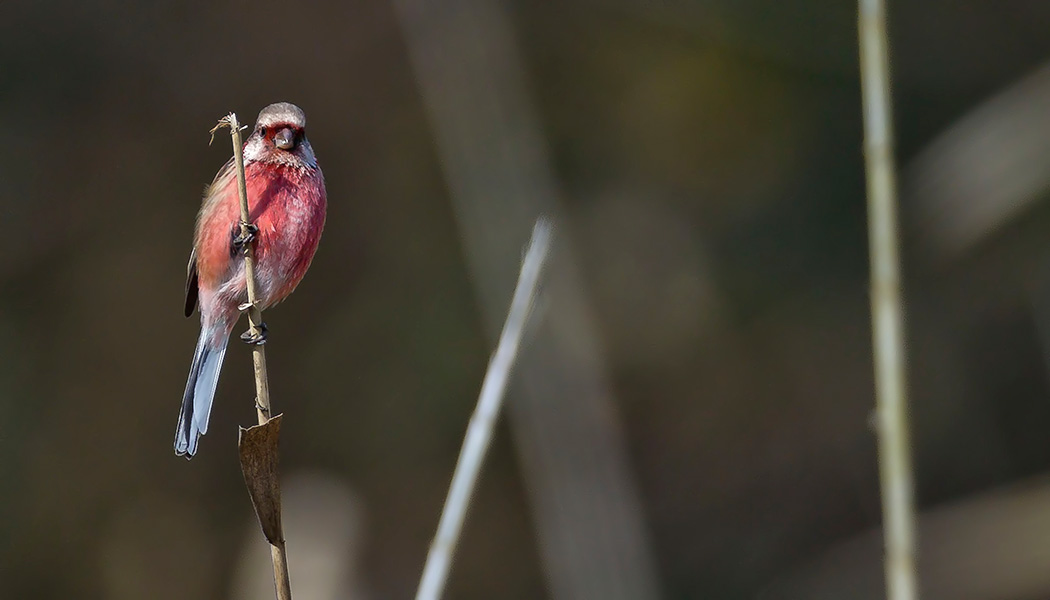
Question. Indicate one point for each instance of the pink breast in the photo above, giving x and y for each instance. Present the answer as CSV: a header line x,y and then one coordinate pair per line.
x,y
288,206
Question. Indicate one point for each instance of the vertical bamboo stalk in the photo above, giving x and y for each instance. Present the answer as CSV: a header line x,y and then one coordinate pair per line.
x,y
895,463
262,387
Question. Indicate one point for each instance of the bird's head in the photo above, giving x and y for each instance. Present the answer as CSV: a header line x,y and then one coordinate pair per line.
x,y
279,137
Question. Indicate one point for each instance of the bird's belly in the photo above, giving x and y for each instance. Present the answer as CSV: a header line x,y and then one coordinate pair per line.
x,y
285,247
288,207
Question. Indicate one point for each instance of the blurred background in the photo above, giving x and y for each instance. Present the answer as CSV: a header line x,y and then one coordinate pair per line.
x,y
692,417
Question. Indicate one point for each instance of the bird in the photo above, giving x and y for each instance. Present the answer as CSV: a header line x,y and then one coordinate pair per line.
x,y
287,204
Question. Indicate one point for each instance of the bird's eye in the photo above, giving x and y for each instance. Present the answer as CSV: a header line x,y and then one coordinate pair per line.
x,y
262,131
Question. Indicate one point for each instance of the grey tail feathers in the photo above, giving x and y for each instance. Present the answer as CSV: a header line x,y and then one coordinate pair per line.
x,y
200,391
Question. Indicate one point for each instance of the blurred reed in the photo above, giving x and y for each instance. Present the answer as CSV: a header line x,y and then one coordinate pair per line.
x,y
483,421
585,504
887,320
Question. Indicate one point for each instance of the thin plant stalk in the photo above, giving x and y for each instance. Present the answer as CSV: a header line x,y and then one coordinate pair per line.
x,y
262,386
483,421
887,321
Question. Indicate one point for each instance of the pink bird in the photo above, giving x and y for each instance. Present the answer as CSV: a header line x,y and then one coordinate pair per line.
x,y
287,202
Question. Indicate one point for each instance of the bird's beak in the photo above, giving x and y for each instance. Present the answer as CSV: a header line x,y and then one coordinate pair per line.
x,y
284,139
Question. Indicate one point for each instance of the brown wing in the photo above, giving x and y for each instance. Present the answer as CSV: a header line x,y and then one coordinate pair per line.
x,y
191,284
219,183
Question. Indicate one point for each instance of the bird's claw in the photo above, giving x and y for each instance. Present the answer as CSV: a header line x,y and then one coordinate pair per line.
x,y
244,234
245,306
252,338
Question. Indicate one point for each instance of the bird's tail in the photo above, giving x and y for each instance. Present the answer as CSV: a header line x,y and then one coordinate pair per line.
x,y
200,391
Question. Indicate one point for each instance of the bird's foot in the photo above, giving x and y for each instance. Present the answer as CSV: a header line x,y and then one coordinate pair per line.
x,y
259,407
243,234
254,338
245,306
